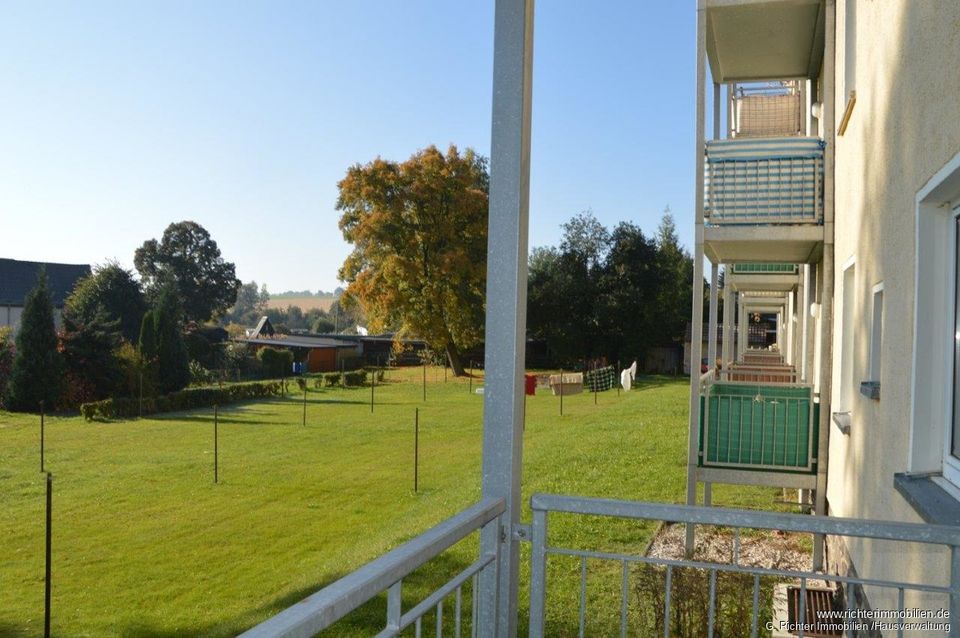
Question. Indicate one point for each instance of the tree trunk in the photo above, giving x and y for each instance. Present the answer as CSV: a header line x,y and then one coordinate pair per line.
x,y
453,356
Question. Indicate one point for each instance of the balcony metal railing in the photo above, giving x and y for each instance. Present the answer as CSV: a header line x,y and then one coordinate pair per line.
x,y
764,268
755,581
759,426
764,181
385,574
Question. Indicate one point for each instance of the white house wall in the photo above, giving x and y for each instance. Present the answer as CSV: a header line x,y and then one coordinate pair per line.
x,y
903,129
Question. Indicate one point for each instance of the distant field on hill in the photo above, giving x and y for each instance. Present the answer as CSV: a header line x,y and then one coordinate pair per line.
x,y
305,303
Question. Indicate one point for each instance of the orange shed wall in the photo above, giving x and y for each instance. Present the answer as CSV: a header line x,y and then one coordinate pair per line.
x,y
322,360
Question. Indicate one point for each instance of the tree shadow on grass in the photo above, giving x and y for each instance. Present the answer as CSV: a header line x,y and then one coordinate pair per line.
x,y
14,631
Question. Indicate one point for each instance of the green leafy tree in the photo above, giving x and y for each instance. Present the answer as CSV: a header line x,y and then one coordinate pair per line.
x,y
112,291
250,305
675,297
190,260
419,235
6,362
37,373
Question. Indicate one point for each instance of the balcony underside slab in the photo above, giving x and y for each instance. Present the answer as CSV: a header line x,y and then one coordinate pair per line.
x,y
749,477
798,244
764,39
777,282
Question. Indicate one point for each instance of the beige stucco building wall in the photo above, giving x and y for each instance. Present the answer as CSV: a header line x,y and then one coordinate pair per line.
x,y
904,128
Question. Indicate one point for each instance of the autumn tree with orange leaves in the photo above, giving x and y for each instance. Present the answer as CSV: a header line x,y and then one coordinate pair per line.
x,y
419,235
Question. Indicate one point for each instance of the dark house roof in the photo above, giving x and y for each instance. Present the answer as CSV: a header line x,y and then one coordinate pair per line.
x,y
297,341
18,278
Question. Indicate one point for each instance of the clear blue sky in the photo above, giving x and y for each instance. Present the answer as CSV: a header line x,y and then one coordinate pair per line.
x,y
117,118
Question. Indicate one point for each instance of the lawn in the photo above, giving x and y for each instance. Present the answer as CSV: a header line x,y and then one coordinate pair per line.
x,y
145,544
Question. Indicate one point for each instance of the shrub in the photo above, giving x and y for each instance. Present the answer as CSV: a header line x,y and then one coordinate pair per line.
x,y
37,373
200,375
302,384
354,379
276,362
332,379
6,360
189,399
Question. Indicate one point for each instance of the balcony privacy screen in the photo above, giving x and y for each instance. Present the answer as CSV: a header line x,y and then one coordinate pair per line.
x,y
764,181
757,426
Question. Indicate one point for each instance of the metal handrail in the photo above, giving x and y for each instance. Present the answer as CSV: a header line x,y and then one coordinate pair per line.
x,y
737,520
325,607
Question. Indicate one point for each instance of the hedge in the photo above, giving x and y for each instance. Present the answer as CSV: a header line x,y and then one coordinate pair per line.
x,y
188,399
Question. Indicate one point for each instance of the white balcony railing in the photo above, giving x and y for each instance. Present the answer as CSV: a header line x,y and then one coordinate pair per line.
x,y
764,181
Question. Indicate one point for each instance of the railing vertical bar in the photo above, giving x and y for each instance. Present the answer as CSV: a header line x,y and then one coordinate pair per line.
x,y
852,604
417,629
666,602
473,607
802,615
439,619
394,605
711,614
538,573
583,595
762,428
740,413
458,607
755,614
624,587
900,609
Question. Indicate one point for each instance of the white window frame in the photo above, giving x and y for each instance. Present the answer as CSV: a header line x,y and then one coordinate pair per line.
x,y
876,334
934,327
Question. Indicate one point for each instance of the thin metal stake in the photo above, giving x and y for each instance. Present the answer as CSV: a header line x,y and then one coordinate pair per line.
x,y
47,576
561,391
416,448
216,443
41,435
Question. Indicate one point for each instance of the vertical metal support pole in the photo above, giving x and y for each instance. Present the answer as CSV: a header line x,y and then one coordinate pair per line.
x,y
394,605
561,391
716,111
803,316
743,327
696,319
48,585
416,449
538,574
505,336
826,310
216,444
714,309
728,310
41,436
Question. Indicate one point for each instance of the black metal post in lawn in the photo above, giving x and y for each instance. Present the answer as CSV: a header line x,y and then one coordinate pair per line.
x,y
595,380
216,443
416,449
41,436
49,551
561,391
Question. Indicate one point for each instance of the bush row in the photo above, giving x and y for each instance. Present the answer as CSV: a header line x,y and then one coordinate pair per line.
x,y
188,399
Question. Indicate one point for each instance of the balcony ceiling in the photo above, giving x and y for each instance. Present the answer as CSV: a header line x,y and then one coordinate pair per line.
x,y
764,39
797,244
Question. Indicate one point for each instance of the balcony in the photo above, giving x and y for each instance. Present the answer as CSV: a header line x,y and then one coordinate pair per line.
x,y
763,199
663,595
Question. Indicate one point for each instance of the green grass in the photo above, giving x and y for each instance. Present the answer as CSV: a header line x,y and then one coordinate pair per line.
x,y
145,544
